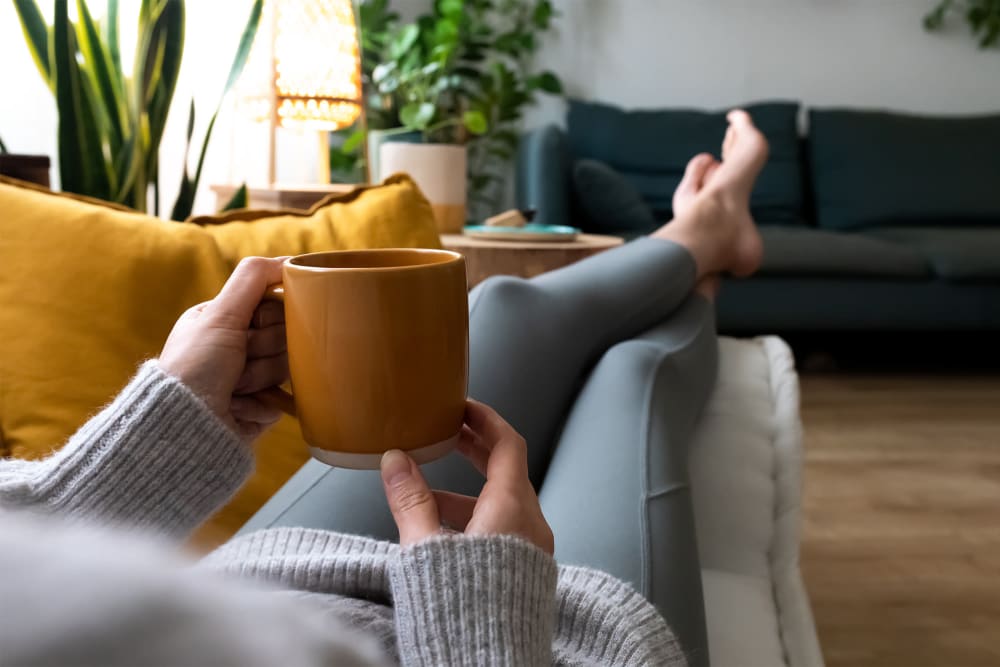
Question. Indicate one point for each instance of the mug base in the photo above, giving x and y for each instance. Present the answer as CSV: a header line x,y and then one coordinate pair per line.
x,y
357,461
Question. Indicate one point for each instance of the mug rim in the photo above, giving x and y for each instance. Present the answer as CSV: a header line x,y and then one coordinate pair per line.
x,y
452,256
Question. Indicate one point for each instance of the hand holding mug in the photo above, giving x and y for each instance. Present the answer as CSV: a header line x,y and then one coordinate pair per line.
x,y
507,505
227,349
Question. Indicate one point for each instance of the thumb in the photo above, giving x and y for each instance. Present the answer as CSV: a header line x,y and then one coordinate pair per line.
x,y
410,499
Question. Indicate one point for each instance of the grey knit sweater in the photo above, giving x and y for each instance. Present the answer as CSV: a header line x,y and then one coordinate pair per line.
x,y
77,587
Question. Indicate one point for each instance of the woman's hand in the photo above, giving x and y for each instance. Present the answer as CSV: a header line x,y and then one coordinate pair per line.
x,y
228,348
507,505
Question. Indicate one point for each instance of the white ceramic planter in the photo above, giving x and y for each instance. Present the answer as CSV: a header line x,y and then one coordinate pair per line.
x,y
439,172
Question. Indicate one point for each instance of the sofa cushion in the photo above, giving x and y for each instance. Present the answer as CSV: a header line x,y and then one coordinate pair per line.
x,y
880,168
608,201
965,254
651,149
813,252
89,290
746,462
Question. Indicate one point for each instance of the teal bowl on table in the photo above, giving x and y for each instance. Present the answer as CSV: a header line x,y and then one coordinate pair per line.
x,y
530,232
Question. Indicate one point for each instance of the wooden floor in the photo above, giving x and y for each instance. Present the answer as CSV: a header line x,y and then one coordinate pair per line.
x,y
901,541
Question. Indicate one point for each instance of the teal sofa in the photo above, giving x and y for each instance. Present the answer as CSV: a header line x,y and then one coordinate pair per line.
x,y
871,221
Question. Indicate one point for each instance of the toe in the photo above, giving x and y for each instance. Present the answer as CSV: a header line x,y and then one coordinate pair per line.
x,y
694,173
739,117
710,172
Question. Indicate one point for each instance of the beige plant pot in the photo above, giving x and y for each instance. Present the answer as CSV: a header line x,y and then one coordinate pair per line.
x,y
439,172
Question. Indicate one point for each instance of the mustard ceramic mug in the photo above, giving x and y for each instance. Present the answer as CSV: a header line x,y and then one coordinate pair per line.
x,y
378,352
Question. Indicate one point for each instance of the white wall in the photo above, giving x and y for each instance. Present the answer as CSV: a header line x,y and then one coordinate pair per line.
x,y
717,53
636,53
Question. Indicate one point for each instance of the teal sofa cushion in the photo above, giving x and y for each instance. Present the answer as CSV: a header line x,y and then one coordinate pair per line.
x,y
956,254
874,168
651,148
798,251
608,202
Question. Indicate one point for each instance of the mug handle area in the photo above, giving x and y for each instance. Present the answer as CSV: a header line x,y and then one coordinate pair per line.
x,y
276,397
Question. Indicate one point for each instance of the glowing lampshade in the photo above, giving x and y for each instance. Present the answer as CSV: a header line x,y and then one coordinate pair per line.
x,y
317,74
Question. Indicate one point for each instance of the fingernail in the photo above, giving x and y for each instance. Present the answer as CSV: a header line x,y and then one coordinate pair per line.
x,y
395,467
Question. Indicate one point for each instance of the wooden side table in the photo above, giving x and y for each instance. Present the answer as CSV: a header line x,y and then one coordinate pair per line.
x,y
485,258
282,196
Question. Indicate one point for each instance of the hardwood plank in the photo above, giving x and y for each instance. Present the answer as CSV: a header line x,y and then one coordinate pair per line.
x,y
901,535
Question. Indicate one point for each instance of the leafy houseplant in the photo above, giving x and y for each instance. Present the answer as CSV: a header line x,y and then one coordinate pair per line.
x,y
460,74
111,122
983,17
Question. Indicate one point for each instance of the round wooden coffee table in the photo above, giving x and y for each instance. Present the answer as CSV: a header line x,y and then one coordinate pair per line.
x,y
485,258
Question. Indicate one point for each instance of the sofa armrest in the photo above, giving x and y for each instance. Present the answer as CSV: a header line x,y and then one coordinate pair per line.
x,y
543,178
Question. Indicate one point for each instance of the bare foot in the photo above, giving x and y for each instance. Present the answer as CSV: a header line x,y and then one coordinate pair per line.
x,y
695,173
716,225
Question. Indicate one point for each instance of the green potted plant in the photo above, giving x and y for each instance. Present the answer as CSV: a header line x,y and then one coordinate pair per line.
x,y
419,78
982,16
110,121
454,83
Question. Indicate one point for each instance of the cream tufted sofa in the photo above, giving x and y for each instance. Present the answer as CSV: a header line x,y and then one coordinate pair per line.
x,y
746,464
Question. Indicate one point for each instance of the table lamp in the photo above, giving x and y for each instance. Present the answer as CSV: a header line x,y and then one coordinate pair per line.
x,y
315,72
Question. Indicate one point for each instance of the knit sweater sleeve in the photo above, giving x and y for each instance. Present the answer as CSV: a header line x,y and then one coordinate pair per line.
x,y
474,601
154,458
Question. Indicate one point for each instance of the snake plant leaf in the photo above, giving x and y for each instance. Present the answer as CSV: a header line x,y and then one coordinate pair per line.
x,y
111,37
95,126
73,148
82,165
189,185
103,77
3,146
36,34
238,200
246,42
126,167
170,45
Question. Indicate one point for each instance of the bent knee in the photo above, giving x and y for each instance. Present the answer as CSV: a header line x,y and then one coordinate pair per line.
x,y
504,290
635,356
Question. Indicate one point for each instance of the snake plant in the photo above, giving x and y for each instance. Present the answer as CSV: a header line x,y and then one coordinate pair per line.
x,y
111,121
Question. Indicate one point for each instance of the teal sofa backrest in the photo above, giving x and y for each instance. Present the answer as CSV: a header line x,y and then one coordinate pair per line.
x,y
879,169
651,148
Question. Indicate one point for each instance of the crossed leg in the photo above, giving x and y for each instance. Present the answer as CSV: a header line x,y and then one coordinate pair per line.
x,y
625,429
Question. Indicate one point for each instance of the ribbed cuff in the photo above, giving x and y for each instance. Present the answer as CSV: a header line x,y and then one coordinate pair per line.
x,y
596,609
156,457
474,601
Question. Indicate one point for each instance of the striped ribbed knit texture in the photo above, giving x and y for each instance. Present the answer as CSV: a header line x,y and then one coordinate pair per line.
x,y
460,600
155,458
487,602
604,621
158,459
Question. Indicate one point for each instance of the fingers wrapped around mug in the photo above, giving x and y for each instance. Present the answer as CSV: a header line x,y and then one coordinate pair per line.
x,y
507,505
262,373
411,502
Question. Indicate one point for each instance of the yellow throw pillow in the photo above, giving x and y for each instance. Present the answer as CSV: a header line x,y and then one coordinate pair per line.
x,y
393,214
88,290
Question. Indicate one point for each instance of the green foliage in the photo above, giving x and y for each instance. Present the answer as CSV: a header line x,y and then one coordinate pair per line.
x,y
460,74
347,154
982,16
3,147
238,200
110,122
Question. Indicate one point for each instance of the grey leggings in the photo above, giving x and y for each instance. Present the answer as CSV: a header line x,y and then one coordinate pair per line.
x,y
603,367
